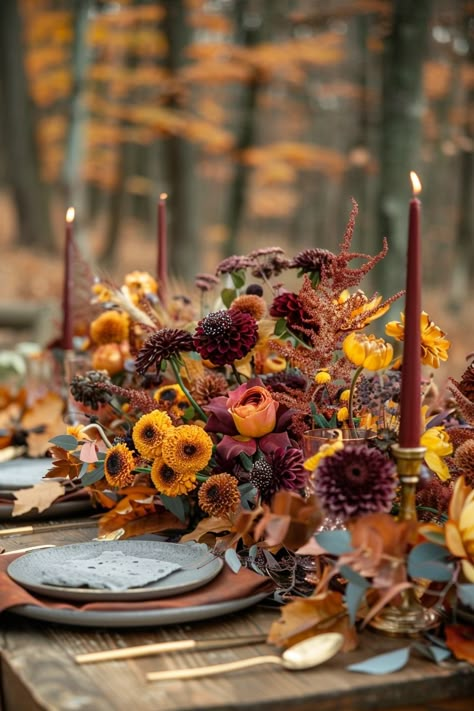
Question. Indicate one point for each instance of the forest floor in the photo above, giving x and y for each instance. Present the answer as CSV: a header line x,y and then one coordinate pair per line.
x,y
30,277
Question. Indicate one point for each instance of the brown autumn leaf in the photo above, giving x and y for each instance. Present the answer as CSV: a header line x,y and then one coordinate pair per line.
x,y
46,413
460,640
207,529
39,497
304,617
64,465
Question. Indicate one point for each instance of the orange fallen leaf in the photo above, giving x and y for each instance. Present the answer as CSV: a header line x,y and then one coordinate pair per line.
x,y
39,497
460,640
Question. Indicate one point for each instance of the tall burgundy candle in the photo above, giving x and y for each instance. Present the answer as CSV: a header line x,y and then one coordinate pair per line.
x,y
162,257
410,395
68,285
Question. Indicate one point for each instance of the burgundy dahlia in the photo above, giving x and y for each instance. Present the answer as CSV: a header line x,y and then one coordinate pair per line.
x,y
279,469
354,481
163,345
223,337
289,307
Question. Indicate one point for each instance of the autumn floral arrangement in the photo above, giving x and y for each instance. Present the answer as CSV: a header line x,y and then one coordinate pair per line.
x,y
194,411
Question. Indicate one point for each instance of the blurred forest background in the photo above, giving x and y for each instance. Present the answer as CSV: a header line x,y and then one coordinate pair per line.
x,y
260,119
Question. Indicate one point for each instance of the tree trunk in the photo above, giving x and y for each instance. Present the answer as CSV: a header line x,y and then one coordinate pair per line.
x,y
401,133
29,193
184,252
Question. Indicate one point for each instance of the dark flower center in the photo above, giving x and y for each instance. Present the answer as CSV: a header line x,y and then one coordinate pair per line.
x,y
217,323
213,493
114,464
189,449
167,474
149,433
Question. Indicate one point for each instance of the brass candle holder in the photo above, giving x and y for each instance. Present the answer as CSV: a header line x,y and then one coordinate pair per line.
x,y
409,618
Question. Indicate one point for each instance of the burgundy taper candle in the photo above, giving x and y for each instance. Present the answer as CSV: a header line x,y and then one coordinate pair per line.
x,y
162,257
68,326
410,395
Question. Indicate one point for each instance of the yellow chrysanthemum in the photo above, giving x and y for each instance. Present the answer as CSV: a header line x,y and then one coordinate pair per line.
x,y
345,395
118,466
367,351
173,398
102,293
171,482
186,448
219,495
459,529
434,345
437,443
326,450
322,377
77,431
110,327
141,283
149,431
342,414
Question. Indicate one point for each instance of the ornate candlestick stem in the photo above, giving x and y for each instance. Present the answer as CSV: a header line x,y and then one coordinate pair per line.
x,y
409,618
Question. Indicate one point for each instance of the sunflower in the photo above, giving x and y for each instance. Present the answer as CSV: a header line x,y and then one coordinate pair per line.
x,y
186,448
118,466
110,327
172,398
434,345
171,482
149,431
219,495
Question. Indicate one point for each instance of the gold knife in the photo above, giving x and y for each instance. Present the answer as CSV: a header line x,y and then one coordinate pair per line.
x,y
145,650
22,530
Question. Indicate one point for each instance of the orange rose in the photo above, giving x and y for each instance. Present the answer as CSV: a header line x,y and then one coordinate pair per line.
x,y
253,410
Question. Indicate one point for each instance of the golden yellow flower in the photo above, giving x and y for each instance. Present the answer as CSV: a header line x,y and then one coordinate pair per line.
x,y
342,414
103,293
360,306
77,431
173,398
367,351
274,364
187,448
434,345
118,466
322,377
219,495
149,431
459,529
110,327
170,482
326,450
345,395
437,443
141,283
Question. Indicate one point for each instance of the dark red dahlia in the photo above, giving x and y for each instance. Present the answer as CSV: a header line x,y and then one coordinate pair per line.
x,y
289,307
223,337
279,469
162,345
354,481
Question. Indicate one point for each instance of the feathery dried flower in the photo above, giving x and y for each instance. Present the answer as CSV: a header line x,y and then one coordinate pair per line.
x,y
163,345
233,264
91,388
205,282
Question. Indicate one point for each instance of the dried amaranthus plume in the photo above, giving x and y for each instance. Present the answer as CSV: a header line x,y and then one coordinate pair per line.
x,y
464,405
139,400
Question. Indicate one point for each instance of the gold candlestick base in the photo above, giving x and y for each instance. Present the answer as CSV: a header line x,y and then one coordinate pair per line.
x,y
409,618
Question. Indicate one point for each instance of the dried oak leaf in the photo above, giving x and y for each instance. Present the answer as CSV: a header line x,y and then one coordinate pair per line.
x,y
46,414
304,617
207,530
39,497
460,640
64,465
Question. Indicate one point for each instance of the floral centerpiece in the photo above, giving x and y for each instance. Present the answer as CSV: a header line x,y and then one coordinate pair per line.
x,y
193,416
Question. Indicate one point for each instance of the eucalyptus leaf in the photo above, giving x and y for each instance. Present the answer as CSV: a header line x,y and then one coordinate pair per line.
x,y
352,597
466,594
247,494
383,663
188,414
246,461
428,560
280,327
227,296
238,278
67,442
432,652
354,577
334,542
95,475
175,505
232,560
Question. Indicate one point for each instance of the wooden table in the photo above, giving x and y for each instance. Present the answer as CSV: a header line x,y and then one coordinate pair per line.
x,y
38,669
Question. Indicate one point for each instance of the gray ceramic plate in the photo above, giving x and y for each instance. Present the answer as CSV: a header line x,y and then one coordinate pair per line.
x,y
57,510
21,473
198,568
140,618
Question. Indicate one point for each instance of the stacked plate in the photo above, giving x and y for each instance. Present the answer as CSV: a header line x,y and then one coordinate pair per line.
x,y
114,573
24,473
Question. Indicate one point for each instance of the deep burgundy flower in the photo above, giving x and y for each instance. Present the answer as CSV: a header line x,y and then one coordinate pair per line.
x,y
289,307
223,337
163,345
279,469
311,261
284,381
354,481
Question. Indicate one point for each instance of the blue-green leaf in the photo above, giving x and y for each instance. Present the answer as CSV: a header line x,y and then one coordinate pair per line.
x,y
67,442
353,595
466,594
247,494
95,475
334,542
246,461
432,652
428,560
383,663
232,560
175,505
238,278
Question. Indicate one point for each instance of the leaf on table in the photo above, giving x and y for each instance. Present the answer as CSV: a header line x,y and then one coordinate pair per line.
x,y
460,640
304,617
383,663
206,527
46,414
39,497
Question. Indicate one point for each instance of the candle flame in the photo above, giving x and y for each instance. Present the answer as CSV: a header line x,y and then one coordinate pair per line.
x,y
70,214
415,183
163,196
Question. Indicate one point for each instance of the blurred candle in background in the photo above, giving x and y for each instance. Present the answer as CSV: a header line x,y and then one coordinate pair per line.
x,y
410,396
68,286
162,257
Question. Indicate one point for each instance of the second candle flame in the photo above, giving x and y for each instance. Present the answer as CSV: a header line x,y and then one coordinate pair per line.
x,y
70,214
415,183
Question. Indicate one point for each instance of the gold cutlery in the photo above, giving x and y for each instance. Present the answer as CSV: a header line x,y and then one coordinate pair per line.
x,y
29,548
21,530
189,645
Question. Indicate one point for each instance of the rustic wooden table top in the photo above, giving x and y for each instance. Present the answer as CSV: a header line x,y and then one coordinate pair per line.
x,y
38,670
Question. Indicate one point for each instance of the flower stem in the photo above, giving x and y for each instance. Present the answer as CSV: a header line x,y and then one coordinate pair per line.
x,y
237,374
351,396
96,426
186,391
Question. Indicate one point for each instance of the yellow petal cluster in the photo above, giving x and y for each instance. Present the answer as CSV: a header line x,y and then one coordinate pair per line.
x,y
367,351
326,450
434,344
438,445
459,529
